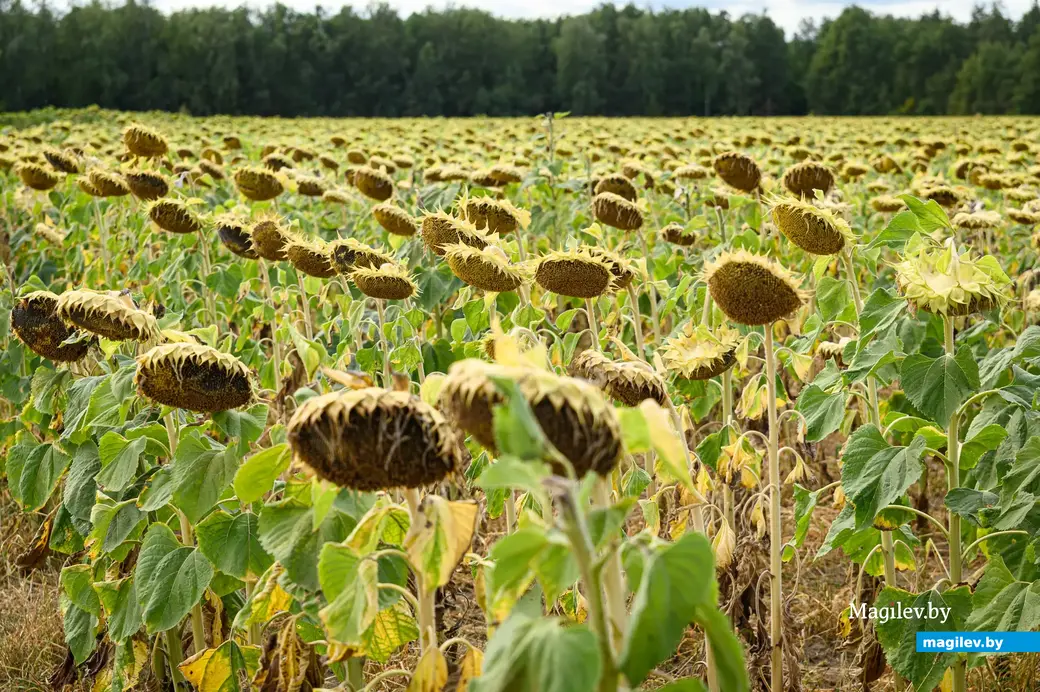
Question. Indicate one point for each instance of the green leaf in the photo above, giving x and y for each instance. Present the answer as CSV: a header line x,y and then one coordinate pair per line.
x,y
245,426
823,412
80,490
80,630
517,432
113,523
120,459
46,386
898,636
875,474
256,476
874,356
899,230
565,318
804,505
201,470
979,442
477,317
968,502
39,476
287,533
833,297
1002,603
77,581
677,588
232,545
635,433
937,386
684,685
178,583
930,216
880,312
122,613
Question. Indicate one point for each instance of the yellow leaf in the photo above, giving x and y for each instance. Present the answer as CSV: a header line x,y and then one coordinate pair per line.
x,y
431,674
667,442
742,352
751,405
436,546
471,667
213,669
392,629
802,364
723,545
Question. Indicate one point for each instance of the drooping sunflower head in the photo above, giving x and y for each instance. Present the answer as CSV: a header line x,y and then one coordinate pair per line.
x,y
813,229
700,353
109,316
147,185
618,184
752,289
572,413
270,237
394,219
144,142
626,382
616,211
440,229
887,204
193,377
802,178
389,281
348,254
258,184
35,320
576,273
107,183
311,257
175,216
945,282
235,234
373,183
677,234
621,271
976,220
488,269
738,170
62,161
310,186
495,215
35,176
373,439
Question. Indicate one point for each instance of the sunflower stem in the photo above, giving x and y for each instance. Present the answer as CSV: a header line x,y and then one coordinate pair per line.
x,y
653,291
775,538
384,345
427,616
102,236
276,349
613,579
207,297
637,321
174,654
953,473
590,312
308,325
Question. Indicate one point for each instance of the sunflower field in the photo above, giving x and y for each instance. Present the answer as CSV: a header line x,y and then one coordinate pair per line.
x,y
542,404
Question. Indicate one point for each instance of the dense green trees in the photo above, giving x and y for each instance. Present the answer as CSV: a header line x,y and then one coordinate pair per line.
x,y
612,61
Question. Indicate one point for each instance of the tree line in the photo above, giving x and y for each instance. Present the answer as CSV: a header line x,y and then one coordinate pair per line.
x,y
616,61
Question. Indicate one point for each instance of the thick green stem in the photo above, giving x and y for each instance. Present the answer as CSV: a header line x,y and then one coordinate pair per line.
x,y
174,654
581,543
953,473
728,505
356,673
207,296
590,311
510,509
308,325
637,321
198,627
384,345
775,537
427,605
653,291
276,349
613,580
253,633
102,237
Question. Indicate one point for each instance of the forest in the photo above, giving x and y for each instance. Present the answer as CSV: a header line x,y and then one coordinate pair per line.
x,y
616,61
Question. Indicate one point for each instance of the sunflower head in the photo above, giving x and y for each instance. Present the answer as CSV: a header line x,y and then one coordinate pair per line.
x,y
144,142
389,281
699,353
175,216
35,320
257,184
488,268
945,282
107,315
310,257
677,234
576,273
752,289
626,382
348,254
738,170
440,229
235,234
814,229
270,238
35,176
394,219
108,184
616,211
802,178
146,185
373,183
194,377
618,184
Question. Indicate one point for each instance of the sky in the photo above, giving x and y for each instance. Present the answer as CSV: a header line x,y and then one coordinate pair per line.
x,y
786,13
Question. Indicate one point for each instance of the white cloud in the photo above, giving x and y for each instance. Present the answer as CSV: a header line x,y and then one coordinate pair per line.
x,y
786,13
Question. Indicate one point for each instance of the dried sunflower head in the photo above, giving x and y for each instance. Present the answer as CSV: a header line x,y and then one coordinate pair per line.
x,y
440,229
801,179
373,439
194,377
108,184
235,234
572,413
106,315
394,219
752,289
813,229
618,184
976,220
738,170
941,281
495,215
616,211
488,269
144,142
146,185
887,204
310,186
389,281
699,353
62,161
310,257
373,183
621,271
503,174
257,184
1024,217
690,171
174,215
270,238
276,162
35,320
626,382
676,234
35,176
348,254
212,169
336,197
576,273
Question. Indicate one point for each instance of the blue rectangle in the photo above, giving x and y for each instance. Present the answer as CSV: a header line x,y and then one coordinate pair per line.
x,y
978,642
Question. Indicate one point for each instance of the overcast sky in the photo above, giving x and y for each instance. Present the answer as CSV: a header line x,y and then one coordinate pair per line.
x,y
786,13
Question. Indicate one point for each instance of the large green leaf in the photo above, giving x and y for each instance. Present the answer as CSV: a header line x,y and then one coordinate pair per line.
x,y
77,581
875,474
256,476
231,543
898,635
287,533
80,630
804,505
244,426
201,471
880,312
80,490
122,612
349,584
39,476
114,523
937,386
1002,603
930,216
159,541
178,583
823,412
120,459
678,588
